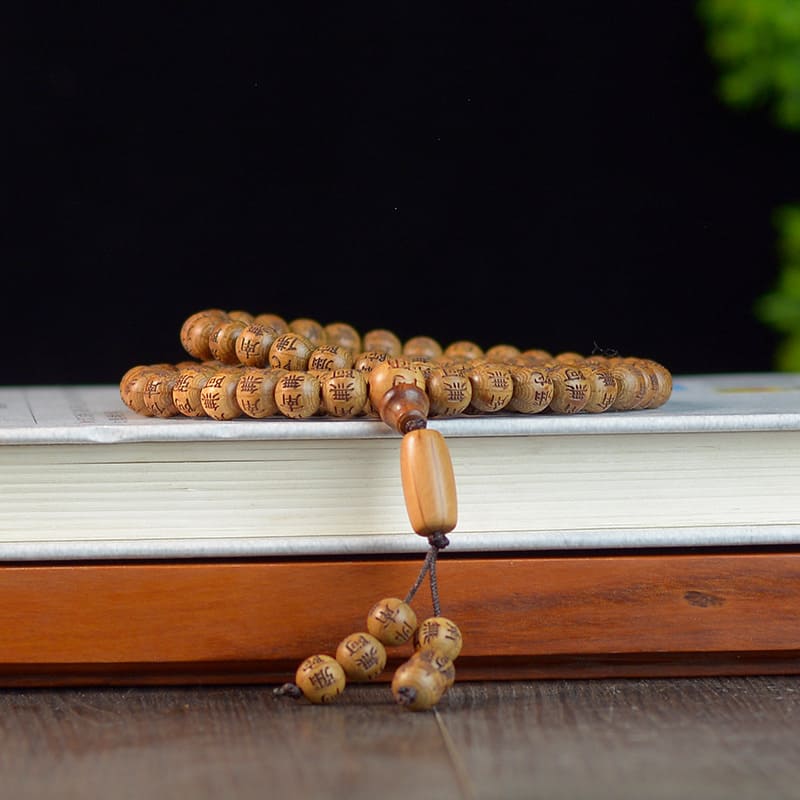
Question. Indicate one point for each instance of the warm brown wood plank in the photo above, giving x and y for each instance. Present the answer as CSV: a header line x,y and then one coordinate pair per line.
x,y
521,616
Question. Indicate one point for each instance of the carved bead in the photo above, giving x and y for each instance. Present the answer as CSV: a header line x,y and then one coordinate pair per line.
x,y
131,387
187,388
321,678
274,321
290,351
222,341
502,353
439,660
632,385
196,330
383,340
602,388
422,348
463,350
440,634
218,396
310,329
404,407
344,392
449,395
392,621
385,375
532,390
569,357
492,387
253,344
330,356
536,356
297,394
241,315
362,656
570,389
660,379
429,485
255,392
157,394
418,685
344,335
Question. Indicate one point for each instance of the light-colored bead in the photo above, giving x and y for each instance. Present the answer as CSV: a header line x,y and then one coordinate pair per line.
x,y
157,394
218,396
196,330
255,392
571,389
463,349
438,660
429,485
344,335
362,656
660,380
187,388
602,388
310,329
290,351
344,392
222,341
532,390
392,621
422,348
502,353
449,395
418,685
569,357
242,315
535,356
272,321
385,375
297,394
253,344
329,357
383,340
321,678
632,384
440,634
492,387
131,387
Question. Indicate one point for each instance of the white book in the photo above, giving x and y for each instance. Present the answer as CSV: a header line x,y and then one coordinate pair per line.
x,y
83,477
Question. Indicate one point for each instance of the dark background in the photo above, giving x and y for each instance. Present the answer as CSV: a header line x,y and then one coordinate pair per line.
x,y
551,175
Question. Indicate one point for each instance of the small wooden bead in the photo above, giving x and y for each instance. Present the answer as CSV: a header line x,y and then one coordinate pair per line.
x,y
255,392
492,387
385,375
344,335
131,387
418,685
362,656
310,329
440,634
187,388
218,396
632,385
536,356
463,350
449,395
321,678
502,353
383,340
222,341
569,357
274,321
429,485
297,394
290,351
404,407
241,315
392,621
570,389
422,348
330,356
532,390
660,379
253,344
157,394
602,388
439,661
344,393
196,330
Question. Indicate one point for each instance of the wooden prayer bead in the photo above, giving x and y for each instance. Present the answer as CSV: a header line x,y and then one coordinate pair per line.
x,y
536,355
222,341
321,678
569,357
241,315
344,392
297,394
449,395
439,661
463,349
196,331
429,485
383,340
274,321
290,351
440,634
570,389
602,388
492,387
392,621
422,348
253,344
404,407
131,387
255,391
187,388
218,396
310,329
632,386
157,394
387,374
532,390
344,335
503,353
362,657
330,356
660,380
418,685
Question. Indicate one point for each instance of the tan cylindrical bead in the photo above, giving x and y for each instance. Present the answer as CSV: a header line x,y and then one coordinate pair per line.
x,y
187,388
439,661
571,389
602,388
392,621
274,321
632,384
255,392
344,393
422,348
385,375
157,394
492,387
440,634
329,357
429,485
502,353
384,341
449,395
462,350
253,344
310,329
321,678
418,685
196,330
218,396
532,390
297,394
404,407
344,335
290,351
362,656
222,341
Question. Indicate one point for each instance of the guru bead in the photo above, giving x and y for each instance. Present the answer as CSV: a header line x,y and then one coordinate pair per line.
x,y
571,389
440,634
320,678
404,407
532,390
388,373
362,657
392,621
255,392
344,392
290,351
253,344
429,485
218,396
492,387
222,341
418,685
297,394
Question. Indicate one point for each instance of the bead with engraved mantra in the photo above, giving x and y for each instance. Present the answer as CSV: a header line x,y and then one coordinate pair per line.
x,y
602,388
290,351
439,661
186,391
131,387
463,350
392,621
440,634
383,340
504,353
570,389
422,348
449,395
297,394
632,385
196,331
362,657
330,356
343,335
660,380
274,321
255,392
320,678
310,329
532,390
404,407
218,396
157,394
492,387
429,486
387,374
241,314
343,392
253,344
222,341
418,685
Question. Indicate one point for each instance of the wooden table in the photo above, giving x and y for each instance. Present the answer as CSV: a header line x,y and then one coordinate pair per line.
x,y
703,737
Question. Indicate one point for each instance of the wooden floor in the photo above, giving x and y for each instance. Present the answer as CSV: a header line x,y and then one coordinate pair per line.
x,y
659,738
